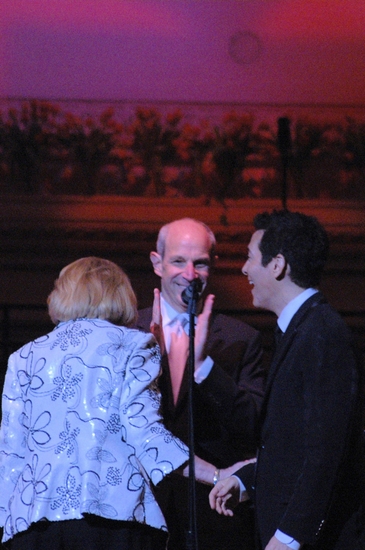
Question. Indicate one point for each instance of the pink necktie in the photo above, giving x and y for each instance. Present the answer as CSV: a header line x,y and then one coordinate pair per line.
x,y
178,355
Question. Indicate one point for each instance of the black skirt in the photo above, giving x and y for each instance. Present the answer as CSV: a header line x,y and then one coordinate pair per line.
x,y
90,533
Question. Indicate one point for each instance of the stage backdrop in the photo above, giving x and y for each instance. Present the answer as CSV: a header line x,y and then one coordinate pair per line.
x,y
261,51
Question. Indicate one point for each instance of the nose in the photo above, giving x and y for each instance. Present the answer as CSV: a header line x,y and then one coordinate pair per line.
x,y
190,272
244,271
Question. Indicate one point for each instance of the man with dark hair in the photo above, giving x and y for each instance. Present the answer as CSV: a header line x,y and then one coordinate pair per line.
x,y
308,483
302,241
227,388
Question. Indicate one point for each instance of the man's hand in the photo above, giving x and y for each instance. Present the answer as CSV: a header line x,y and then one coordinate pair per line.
x,y
225,496
202,330
156,322
275,544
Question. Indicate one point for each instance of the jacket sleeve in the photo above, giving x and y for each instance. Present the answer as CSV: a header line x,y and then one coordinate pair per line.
x,y
247,475
156,449
235,387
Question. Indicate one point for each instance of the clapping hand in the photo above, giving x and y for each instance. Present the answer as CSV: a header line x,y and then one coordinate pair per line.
x,y
156,322
202,330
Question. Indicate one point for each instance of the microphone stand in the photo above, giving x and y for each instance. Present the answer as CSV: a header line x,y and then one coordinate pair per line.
x,y
192,296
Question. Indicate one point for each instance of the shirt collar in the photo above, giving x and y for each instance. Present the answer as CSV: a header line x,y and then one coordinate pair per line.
x,y
168,313
292,307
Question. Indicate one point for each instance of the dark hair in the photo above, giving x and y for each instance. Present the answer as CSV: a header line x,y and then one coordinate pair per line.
x,y
302,241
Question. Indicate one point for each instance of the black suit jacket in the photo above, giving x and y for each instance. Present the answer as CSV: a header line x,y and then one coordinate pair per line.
x,y
226,415
227,404
309,475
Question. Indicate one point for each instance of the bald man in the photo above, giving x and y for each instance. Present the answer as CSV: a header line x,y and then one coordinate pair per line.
x,y
228,384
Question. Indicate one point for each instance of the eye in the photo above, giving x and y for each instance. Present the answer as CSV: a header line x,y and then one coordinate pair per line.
x,y
202,265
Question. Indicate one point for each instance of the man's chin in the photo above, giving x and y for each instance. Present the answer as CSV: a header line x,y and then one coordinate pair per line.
x,y
179,305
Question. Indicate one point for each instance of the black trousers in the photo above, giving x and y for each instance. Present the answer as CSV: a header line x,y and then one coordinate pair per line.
x,y
90,533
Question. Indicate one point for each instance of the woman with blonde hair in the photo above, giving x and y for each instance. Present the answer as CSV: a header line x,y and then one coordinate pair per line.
x,y
82,442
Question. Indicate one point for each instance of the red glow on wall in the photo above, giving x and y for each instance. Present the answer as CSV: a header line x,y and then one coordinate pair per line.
x,y
311,19
310,50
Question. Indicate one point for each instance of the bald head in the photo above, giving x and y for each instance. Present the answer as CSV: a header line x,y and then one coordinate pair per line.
x,y
185,251
176,228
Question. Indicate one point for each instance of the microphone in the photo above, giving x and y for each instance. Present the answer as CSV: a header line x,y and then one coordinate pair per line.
x,y
192,291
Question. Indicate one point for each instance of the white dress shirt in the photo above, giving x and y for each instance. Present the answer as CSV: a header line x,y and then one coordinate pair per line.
x,y
169,317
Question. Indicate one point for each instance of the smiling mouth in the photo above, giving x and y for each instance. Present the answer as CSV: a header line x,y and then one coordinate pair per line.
x,y
182,288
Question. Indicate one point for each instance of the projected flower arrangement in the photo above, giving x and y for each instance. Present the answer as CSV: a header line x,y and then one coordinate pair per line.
x,y
45,149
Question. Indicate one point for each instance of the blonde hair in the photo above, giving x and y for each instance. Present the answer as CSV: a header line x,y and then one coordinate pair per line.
x,y
93,288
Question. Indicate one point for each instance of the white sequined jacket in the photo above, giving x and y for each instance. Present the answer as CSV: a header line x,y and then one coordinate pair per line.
x,y
81,430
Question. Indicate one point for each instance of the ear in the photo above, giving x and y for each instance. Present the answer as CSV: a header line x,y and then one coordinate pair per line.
x,y
157,263
279,267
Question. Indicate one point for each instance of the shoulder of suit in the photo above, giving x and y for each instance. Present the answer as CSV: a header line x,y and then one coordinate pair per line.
x,y
221,320
318,310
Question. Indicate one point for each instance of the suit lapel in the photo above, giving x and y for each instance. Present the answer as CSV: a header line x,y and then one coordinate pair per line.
x,y
285,344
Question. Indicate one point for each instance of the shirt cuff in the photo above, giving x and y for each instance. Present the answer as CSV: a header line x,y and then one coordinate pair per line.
x,y
243,493
204,370
286,539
